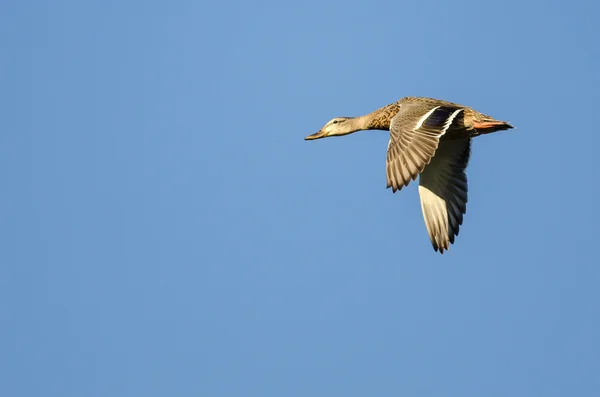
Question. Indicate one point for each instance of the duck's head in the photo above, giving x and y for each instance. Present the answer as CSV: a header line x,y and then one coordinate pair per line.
x,y
335,127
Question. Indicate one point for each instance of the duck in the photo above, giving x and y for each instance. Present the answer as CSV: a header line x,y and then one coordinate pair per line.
x,y
430,139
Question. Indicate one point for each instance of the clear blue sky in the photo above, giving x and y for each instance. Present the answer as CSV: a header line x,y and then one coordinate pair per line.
x,y
166,231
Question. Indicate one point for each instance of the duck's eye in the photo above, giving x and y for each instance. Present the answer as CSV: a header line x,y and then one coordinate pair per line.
x,y
335,121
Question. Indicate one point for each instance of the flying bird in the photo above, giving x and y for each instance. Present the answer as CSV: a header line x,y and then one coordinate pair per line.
x,y
429,138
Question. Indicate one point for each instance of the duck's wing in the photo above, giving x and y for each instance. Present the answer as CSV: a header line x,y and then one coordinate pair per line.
x,y
415,133
443,190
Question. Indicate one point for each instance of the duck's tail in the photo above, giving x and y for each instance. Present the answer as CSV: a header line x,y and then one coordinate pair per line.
x,y
489,126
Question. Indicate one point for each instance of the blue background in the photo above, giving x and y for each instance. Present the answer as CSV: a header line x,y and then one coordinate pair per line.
x,y
166,231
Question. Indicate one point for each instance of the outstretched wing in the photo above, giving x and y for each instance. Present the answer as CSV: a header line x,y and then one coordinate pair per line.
x,y
443,190
415,134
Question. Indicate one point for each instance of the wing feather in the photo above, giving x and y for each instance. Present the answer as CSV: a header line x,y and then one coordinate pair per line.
x,y
415,134
443,189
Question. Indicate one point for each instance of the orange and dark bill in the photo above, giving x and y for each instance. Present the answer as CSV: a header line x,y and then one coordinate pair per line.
x,y
316,135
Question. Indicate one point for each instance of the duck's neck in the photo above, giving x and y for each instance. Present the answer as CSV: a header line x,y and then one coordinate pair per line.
x,y
358,123
379,119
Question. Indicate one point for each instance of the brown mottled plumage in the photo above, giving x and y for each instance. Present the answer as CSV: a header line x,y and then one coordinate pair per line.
x,y
381,118
431,138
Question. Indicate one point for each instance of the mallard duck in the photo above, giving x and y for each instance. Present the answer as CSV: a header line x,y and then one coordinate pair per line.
x,y
430,138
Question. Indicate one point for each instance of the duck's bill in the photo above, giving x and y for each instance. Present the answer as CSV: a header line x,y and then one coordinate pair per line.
x,y
316,135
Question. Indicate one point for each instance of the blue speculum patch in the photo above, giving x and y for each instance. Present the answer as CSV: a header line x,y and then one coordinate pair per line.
x,y
438,117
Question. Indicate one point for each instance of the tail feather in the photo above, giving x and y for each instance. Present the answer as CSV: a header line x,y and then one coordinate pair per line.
x,y
486,127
